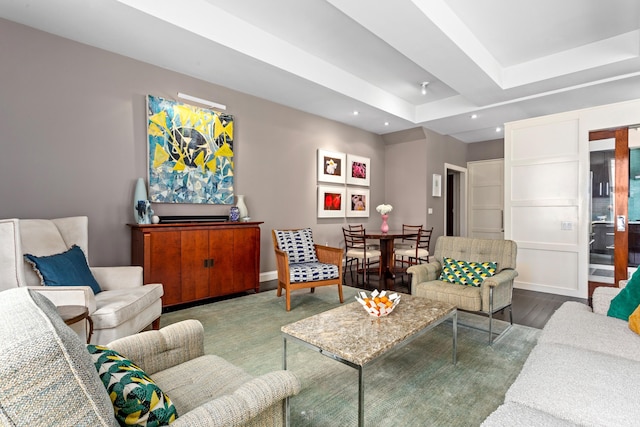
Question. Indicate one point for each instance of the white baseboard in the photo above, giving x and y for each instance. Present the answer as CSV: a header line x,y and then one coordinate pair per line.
x,y
268,275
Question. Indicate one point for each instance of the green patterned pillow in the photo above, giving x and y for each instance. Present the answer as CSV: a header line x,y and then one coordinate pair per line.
x,y
136,399
466,273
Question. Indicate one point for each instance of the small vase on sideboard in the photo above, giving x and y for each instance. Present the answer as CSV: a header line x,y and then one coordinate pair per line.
x,y
234,214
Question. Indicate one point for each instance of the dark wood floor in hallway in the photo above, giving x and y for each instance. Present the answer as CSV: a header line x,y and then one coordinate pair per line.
x,y
529,308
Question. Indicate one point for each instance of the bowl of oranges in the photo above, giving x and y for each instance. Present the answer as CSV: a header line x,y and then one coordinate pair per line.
x,y
378,304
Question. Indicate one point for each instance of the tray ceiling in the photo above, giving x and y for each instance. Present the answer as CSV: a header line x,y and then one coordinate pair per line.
x,y
500,60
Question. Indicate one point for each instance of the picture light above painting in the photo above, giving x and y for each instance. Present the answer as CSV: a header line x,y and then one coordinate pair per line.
x,y
340,168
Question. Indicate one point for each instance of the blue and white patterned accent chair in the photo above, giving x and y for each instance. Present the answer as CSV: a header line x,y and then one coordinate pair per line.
x,y
303,264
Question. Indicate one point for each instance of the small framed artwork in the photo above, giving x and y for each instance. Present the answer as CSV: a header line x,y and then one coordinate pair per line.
x,y
331,201
358,170
436,190
357,202
331,166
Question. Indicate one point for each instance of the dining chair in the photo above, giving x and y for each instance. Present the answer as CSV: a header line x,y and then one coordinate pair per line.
x,y
418,252
357,249
361,229
409,241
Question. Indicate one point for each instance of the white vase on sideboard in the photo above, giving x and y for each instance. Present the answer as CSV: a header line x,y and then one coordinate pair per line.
x,y
242,207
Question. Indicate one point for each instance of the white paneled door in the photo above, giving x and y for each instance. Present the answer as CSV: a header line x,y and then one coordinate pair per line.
x,y
486,199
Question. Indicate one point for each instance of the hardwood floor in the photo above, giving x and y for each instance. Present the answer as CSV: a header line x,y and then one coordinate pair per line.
x,y
534,308
529,308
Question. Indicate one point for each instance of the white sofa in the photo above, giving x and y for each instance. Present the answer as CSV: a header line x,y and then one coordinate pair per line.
x,y
585,370
124,307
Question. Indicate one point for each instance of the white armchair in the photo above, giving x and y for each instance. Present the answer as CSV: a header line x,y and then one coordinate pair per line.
x,y
124,307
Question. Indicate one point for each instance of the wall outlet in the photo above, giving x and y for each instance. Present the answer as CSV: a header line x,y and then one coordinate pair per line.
x,y
430,211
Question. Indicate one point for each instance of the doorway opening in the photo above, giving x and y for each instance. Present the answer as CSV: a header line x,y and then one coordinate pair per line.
x,y
614,208
455,193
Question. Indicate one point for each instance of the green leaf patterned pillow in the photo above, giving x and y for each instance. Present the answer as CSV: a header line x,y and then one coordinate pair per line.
x,y
466,273
136,399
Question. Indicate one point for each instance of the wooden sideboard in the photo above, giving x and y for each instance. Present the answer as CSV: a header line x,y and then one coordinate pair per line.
x,y
196,261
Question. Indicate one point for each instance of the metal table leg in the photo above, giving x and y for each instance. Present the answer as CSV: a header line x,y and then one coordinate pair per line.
x,y
360,396
455,337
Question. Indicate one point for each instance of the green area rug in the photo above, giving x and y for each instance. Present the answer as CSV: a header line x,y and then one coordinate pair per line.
x,y
416,385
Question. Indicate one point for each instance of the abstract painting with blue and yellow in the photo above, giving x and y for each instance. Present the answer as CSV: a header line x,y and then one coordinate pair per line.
x,y
190,153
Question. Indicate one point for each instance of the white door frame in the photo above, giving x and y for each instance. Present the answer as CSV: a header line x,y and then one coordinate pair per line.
x,y
462,211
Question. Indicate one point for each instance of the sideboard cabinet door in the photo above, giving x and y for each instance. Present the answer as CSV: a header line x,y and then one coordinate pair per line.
x,y
194,253
221,254
245,263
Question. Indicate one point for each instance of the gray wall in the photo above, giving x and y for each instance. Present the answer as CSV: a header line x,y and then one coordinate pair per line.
x,y
442,149
406,162
412,157
73,138
487,150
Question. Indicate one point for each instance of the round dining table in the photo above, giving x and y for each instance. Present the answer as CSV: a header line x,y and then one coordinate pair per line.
x,y
388,276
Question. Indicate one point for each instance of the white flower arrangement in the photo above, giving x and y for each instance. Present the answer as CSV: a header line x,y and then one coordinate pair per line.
x,y
384,209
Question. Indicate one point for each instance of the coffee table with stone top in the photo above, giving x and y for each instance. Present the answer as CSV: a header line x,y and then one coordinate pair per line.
x,y
351,336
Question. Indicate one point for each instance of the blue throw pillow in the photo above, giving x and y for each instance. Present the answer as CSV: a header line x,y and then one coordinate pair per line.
x,y
627,300
69,268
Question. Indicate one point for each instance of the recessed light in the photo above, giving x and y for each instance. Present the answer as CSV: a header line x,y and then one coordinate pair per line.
x,y
474,116
498,129
386,123
356,112
423,87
